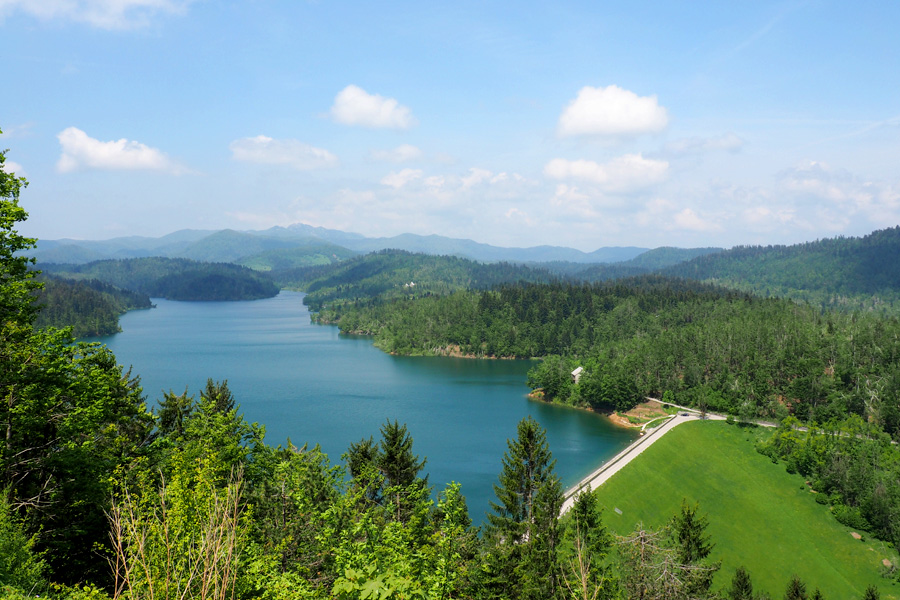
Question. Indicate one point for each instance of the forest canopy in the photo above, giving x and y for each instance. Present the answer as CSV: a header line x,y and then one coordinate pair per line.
x,y
173,278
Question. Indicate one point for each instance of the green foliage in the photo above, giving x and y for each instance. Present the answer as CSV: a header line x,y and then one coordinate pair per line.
x,y
90,307
187,540
842,273
871,593
393,274
586,572
17,282
174,278
286,260
758,514
689,534
71,417
523,531
796,589
731,352
851,464
553,375
20,567
741,586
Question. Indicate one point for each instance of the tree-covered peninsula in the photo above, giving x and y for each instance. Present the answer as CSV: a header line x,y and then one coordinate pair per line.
x,y
729,351
89,306
173,278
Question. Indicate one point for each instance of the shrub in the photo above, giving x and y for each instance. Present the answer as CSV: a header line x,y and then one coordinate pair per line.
x,y
849,516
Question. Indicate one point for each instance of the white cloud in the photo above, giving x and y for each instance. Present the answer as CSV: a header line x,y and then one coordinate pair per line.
x,y
475,177
294,153
622,174
690,220
16,131
570,200
697,145
768,217
402,153
613,112
13,167
397,180
82,151
842,193
354,106
103,14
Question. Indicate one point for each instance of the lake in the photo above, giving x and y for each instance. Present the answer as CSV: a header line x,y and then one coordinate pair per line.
x,y
308,383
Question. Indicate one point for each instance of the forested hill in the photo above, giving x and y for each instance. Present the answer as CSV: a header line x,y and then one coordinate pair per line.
x,y
399,274
845,273
89,306
648,336
174,278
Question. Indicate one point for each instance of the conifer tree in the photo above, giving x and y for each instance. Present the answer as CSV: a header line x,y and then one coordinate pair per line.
x,y
796,589
523,527
741,586
396,460
400,467
586,575
871,593
218,395
689,533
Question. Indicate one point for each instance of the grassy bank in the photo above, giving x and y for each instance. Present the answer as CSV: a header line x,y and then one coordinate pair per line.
x,y
759,515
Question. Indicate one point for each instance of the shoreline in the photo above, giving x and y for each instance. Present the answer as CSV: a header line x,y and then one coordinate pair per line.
x,y
613,416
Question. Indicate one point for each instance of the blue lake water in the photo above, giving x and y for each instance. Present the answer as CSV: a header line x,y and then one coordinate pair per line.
x,y
308,383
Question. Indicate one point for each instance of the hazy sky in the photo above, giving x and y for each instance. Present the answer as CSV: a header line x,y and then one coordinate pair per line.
x,y
517,123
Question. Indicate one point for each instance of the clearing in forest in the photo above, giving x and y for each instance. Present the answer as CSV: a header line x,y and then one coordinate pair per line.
x,y
759,515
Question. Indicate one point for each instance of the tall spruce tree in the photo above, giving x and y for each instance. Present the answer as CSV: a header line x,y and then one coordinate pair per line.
x,y
796,589
741,586
396,460
400,468
523,528
689,533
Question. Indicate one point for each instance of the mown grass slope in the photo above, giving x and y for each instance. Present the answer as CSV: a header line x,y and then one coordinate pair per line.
x,y
759,515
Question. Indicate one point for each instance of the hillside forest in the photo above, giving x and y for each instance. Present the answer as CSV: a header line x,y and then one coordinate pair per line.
x,y
105,497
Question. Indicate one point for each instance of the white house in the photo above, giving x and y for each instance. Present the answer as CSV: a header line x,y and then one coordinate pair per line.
x,y
576,374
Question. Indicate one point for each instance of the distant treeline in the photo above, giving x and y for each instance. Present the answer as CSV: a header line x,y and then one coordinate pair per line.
x,y
845,273
91,307
174,278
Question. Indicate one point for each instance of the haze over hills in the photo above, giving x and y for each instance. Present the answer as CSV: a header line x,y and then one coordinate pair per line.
x,y
235,246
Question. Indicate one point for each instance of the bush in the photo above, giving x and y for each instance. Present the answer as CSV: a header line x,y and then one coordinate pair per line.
x,y
849,516
20,567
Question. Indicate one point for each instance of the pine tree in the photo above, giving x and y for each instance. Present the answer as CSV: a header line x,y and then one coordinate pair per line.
x,y
586,575
796,589
523,527
871,593
689,532
218,395
396,460
741,586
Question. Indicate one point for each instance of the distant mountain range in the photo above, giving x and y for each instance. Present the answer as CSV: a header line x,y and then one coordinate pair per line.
x,y
303,245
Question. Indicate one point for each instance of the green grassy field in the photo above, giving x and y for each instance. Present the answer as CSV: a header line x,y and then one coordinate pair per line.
x,y
759,515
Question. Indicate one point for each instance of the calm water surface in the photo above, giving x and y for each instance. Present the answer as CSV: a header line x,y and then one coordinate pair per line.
x,y
310,384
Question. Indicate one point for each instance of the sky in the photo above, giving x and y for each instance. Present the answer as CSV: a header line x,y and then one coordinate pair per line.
x,y
579,124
